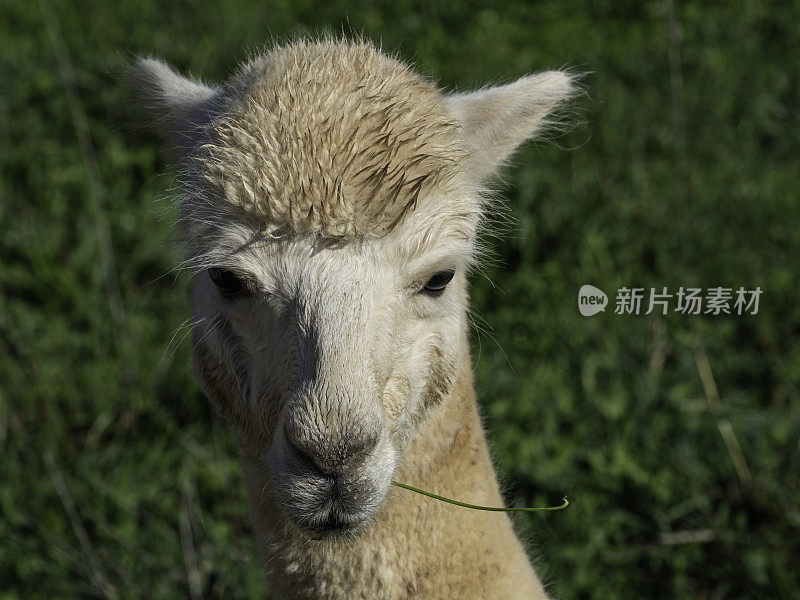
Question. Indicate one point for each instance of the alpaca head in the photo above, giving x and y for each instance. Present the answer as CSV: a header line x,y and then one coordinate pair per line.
x,y
330,203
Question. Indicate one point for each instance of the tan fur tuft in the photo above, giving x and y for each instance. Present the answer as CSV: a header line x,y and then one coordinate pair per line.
x,y
328,138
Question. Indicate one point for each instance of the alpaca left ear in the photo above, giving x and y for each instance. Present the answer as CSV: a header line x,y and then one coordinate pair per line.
x,y
179,105
496,121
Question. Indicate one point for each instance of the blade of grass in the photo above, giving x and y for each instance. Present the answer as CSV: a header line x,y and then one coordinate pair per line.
x,y
478,507
724,425
96,188
102,583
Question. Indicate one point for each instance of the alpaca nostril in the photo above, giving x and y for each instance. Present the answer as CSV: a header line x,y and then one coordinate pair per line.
x,y
331,455
305,458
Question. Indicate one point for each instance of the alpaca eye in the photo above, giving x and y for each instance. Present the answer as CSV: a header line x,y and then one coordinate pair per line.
x,y
226,281
436,284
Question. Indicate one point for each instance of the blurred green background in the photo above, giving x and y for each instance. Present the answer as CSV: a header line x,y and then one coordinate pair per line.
x,y
676,437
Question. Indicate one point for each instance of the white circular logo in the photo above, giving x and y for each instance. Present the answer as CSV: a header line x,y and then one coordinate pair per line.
x,y
591,300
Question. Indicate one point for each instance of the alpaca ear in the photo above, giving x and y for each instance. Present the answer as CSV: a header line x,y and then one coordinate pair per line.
x,y
177,104
496,121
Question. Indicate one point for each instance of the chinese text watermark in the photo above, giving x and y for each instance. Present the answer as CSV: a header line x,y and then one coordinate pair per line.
x,y
685,300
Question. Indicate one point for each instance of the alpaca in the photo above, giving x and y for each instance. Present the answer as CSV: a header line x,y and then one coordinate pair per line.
x,y
331,204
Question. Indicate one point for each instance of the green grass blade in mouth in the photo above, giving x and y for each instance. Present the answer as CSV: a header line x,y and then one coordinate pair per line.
x,y
476,507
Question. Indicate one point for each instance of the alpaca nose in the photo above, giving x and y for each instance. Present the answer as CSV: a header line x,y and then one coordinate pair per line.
x,y
331,454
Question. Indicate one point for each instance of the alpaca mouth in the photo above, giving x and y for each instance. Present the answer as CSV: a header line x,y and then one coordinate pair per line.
x,y
330,498
330,506
335,527
327,506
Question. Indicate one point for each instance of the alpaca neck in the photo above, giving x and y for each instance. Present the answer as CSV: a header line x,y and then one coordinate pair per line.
x,y
417,546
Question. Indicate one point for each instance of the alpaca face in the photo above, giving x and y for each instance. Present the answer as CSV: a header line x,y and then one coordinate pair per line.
x,y
328,359
331,201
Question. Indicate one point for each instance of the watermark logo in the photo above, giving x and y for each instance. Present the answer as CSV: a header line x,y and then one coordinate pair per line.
x,y
688,301
591,300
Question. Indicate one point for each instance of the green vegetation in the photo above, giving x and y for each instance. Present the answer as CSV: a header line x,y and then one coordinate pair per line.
x,y
117,481
564,504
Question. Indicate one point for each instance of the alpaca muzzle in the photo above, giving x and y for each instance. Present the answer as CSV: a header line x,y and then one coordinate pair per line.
x,y
332,482
332,454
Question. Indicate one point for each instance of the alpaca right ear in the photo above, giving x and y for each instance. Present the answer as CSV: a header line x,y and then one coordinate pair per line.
x,y
178,104
496,121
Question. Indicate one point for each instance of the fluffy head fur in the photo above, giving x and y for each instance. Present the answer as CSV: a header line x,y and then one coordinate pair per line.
x,y
337,140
